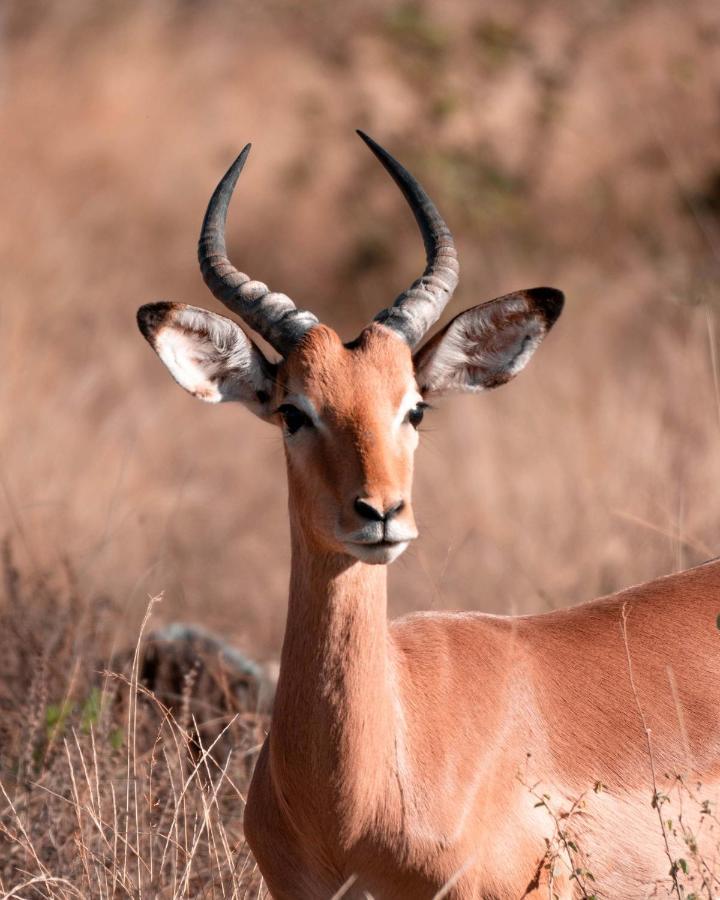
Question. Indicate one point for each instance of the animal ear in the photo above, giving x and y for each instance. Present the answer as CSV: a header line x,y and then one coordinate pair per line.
x,y
208,355
487,345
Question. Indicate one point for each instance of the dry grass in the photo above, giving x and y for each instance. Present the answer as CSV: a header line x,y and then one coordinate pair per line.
x,y
104,790
583,158
573,146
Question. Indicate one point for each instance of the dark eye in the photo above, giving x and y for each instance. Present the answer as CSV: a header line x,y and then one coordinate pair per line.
x,y
415,416
293,418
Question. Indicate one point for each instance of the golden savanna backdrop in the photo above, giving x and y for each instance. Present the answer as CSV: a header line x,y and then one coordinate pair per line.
x,y
568,144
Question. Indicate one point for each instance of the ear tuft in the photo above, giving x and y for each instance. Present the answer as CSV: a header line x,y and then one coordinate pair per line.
x,y
151,317
548,302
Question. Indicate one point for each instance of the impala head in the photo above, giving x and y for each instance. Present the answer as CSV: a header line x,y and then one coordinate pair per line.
x,y
349,412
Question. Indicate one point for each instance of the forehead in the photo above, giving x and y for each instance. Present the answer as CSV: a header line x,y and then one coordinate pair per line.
x,y
377,366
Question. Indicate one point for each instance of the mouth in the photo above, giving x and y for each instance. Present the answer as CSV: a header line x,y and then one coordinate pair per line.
x,y
377,552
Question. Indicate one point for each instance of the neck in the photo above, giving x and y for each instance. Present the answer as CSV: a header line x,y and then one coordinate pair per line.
x,y
332,728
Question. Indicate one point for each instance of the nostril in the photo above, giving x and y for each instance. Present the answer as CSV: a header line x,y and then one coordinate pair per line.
x,y
368,511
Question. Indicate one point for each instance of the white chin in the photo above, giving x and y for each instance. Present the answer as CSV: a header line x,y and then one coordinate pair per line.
x,y
377,554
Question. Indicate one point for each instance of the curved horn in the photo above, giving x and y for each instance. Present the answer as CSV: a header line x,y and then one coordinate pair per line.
x,y
274,316
420,306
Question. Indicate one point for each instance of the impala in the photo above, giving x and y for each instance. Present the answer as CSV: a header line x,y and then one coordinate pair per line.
x,y
441,754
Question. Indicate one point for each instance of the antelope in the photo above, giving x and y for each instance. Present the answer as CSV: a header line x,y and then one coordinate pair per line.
x,y
442,754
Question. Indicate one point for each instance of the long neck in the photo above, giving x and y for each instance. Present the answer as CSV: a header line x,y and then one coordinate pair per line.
x,y
332,736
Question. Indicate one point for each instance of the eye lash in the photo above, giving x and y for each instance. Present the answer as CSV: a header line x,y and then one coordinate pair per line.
x,y
421,405
289,407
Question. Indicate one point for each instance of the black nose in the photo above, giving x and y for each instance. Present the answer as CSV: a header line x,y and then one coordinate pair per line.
x,y
367,510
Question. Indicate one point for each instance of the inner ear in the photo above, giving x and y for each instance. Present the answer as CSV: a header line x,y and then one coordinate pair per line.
x,y
209,355
487,345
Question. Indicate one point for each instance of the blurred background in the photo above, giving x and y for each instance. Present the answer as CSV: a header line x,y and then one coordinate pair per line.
x,y
574,144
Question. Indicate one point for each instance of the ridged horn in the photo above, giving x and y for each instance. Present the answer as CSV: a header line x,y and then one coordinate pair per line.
x,y
420,306
274,316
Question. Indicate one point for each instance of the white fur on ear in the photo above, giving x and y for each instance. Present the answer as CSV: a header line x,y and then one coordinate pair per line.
x,y
487,345
208,355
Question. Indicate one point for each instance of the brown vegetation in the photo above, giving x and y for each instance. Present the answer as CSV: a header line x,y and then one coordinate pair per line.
x,y
105,790
566,144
